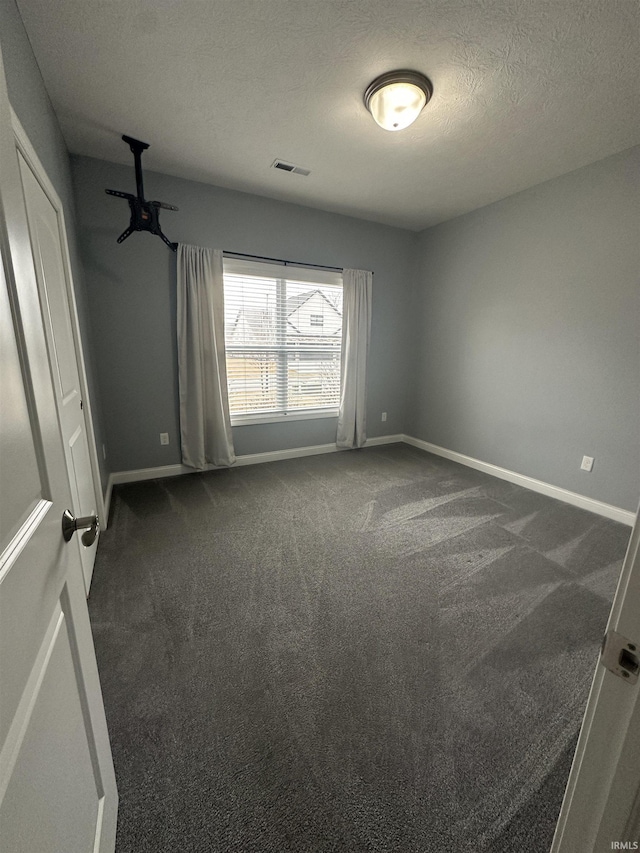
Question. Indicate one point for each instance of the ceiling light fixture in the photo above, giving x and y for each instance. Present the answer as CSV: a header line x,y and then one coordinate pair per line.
x,y
396,99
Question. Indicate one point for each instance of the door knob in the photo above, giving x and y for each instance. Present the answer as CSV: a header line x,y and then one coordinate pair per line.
x,y
89,523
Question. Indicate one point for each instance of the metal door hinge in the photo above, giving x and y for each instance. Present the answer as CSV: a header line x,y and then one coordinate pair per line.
x,y
620,656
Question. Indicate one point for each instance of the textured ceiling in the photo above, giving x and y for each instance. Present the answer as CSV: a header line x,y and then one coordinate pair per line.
x,y
524,90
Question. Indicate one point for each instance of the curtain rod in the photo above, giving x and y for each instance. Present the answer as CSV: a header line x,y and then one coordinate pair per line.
x,y
282,261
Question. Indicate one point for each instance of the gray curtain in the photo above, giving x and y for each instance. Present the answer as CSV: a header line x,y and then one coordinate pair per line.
x,y
356,332
205,424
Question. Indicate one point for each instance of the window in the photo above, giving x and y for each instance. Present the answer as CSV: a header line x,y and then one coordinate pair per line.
x,y
283,340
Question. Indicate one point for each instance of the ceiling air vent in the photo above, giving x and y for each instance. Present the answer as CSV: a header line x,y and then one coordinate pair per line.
x,y
289,167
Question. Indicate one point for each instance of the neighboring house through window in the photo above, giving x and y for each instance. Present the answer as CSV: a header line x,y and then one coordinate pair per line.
x,y
283,339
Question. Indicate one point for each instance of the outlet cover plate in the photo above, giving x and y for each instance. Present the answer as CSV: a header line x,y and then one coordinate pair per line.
x,y
587,463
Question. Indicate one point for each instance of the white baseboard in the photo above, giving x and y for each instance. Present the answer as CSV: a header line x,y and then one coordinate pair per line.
x,y
607,510
384,439
600,508
139,474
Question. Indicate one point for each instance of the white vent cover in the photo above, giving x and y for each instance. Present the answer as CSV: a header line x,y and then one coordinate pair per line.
x,y
289,167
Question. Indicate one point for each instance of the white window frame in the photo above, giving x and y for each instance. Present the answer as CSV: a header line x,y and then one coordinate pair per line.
x,y
281,273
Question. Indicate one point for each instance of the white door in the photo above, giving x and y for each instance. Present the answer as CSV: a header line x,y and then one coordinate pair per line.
x,y
57,785
601,808
48,242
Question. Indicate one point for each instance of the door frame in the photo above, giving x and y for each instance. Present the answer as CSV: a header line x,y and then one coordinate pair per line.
x,y
24,146
602,799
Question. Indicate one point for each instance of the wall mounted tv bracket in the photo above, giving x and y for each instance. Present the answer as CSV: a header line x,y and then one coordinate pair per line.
x,y
145,215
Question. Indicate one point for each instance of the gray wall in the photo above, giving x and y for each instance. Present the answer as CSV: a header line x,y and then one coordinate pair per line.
x,y
131,291
31,103
526,331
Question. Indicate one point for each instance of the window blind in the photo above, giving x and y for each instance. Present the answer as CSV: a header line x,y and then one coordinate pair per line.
x,y
283,339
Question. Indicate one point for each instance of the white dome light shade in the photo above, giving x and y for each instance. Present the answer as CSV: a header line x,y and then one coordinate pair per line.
x,y
397,105
396,99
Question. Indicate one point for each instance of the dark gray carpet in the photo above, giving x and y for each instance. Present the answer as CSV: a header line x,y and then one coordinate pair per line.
x,y
362,652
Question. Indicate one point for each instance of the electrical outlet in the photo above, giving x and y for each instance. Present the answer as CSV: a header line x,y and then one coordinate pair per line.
x,y
587,463
384,417
164,438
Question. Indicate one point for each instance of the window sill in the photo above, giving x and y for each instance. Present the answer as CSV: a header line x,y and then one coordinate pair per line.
x,y
278,417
